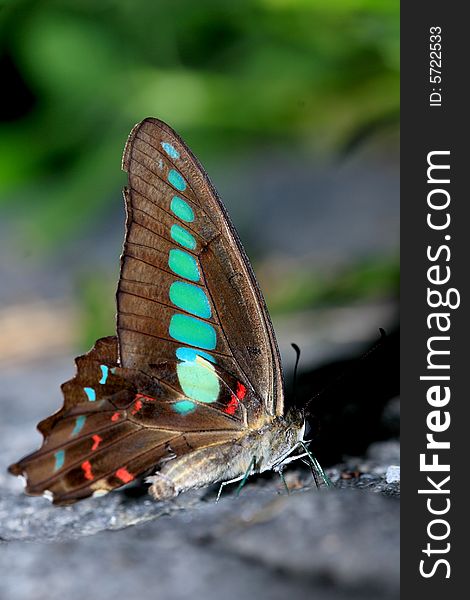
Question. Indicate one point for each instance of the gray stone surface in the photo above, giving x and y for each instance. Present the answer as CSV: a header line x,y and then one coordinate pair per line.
x,y
325,544
332,544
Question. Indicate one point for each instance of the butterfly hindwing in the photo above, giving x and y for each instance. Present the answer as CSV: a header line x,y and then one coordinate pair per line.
x,y
107,434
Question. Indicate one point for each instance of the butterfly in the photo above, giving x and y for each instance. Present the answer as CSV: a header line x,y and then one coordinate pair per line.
x,y
190,390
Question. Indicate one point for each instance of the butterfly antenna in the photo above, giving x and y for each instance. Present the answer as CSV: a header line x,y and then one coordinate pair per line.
x,y
346,372
297,358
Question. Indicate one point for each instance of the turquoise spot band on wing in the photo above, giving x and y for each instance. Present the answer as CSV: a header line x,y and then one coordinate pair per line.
x,y
196,374
90,392
198,381
104,376
79,423
176,180
191,354
182,237
183,264
170,150
59,459
193,332
190,298
182,209
183,407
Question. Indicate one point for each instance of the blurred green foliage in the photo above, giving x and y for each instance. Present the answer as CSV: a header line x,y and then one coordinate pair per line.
x,y
95,297
316,73
367,280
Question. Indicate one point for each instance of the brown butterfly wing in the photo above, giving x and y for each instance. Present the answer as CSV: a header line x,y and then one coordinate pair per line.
x,y
92,446
137,402
173,209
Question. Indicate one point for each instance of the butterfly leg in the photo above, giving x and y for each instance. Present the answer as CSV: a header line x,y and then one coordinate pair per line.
x,y
249,471
316,467
283,479
241,478
288,460
224,483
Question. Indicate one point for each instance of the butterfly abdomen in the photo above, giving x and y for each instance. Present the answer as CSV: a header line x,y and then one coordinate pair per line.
x,y
253,452
200,468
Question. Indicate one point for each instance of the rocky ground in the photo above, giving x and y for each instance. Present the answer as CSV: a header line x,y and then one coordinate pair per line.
x,y
329,544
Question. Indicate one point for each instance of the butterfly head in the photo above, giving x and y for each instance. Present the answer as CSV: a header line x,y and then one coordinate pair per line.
x,y
295,426
279,439
295,418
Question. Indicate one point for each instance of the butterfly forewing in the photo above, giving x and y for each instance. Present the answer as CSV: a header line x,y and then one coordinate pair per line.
x,y
186,285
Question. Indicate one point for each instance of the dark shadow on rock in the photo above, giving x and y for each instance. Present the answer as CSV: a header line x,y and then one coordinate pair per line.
x,y
351,397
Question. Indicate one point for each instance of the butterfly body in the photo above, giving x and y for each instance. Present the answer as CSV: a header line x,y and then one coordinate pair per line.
x,y
190,390
254,452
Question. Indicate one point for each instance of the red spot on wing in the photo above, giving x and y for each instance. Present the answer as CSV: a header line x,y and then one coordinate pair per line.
x,y
124,475
116,416
137,406
96,441
241,390
231,407
86,466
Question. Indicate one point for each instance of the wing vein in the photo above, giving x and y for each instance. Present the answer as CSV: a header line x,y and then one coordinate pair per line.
x,y
78,462
167,158
172,242
177,192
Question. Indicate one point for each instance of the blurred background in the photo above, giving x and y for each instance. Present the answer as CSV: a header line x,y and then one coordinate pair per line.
x,y
292,107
